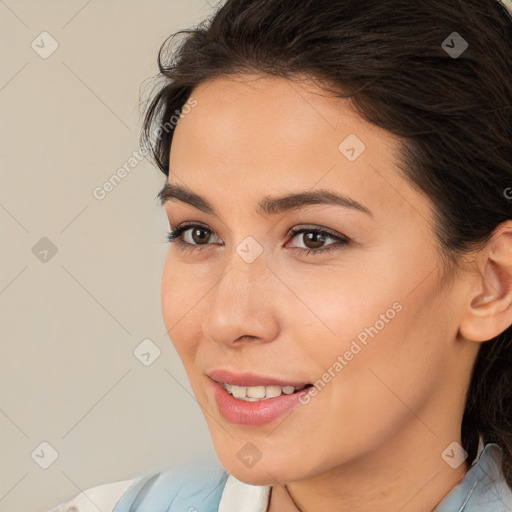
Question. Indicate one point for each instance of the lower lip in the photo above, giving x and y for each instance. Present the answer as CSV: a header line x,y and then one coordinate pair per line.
x,y
254,414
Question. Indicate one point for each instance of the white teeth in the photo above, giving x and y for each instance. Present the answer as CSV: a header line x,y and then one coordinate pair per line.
x,y
272,391
255,393
238,391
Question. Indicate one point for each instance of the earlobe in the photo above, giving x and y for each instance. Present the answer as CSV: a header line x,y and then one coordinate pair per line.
x,y
489,310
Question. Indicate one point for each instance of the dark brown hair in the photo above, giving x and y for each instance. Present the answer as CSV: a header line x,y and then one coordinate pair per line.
x,y
453,114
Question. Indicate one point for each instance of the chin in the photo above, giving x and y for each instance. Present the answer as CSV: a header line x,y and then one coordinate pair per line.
x,y
264,472
260,476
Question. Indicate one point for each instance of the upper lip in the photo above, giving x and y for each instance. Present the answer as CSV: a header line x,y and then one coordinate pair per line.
x,y
250,379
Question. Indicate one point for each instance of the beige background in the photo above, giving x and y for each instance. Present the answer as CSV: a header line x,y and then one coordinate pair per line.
x,y
70,324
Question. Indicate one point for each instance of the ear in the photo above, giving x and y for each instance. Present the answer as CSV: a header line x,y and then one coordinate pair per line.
x,y
489,306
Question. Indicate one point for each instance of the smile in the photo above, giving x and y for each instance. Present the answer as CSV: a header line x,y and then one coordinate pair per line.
x,y
257,393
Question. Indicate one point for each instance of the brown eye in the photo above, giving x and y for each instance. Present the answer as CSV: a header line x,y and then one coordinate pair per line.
x,y
313,239
190,236
200,235
317,241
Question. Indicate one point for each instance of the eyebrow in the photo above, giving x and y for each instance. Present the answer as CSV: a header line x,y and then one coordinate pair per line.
x,y
269,205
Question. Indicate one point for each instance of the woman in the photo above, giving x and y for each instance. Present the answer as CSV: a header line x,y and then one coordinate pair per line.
x,y
339,282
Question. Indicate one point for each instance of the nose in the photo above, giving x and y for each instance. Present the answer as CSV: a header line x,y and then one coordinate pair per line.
x,y
241,307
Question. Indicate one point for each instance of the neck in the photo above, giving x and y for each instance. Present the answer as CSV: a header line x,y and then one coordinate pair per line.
x,y
406,474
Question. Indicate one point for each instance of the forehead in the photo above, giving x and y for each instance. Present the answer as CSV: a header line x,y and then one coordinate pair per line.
x,y
259,135
271,112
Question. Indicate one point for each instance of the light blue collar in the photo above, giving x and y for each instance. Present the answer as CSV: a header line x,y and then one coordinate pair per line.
x,y
483,488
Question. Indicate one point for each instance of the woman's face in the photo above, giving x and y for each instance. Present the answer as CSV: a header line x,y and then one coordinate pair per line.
x,y
369,323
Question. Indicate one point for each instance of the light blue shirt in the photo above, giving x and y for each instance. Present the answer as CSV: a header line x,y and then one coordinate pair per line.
x,y
482,489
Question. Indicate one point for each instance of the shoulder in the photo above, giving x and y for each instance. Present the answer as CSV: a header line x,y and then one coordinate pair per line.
x,y
191,486
103,497
188,486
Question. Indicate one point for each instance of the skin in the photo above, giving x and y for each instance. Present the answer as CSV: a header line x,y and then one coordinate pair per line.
x,y
372,438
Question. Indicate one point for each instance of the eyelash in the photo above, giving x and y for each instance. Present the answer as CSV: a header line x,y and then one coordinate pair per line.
x,y
176,236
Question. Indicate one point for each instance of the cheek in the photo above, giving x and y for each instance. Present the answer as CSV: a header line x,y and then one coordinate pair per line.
x,y
346,328
393,360
181,302
379,327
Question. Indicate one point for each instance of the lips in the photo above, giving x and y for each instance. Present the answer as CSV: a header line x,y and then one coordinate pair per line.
x,y
251,379
253,400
